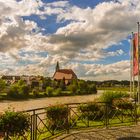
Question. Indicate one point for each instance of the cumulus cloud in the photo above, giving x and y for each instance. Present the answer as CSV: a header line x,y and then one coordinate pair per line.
x,y
93,30
87,35
118,70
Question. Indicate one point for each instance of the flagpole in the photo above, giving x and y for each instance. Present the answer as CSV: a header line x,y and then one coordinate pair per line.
x,y
131,64
133,76
138,68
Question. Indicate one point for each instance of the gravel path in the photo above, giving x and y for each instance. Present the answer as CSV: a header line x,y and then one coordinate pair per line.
x,y
118,133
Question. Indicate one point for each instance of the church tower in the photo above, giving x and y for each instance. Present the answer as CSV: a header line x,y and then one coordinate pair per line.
x,y
57,66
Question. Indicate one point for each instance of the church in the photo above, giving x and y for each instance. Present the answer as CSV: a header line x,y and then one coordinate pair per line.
x,y
64,74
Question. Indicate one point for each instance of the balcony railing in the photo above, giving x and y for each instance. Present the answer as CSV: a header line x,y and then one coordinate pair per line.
x,y
79,115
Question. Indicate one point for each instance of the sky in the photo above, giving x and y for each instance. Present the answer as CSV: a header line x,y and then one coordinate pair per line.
x,y
91,37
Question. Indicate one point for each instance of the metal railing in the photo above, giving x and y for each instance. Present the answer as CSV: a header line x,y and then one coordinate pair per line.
x,y
79,115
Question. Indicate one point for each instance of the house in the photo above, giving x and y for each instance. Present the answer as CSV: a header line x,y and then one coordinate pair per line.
x,y
9,79
64,74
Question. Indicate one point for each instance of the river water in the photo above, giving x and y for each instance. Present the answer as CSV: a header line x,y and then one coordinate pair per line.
x,y
44,102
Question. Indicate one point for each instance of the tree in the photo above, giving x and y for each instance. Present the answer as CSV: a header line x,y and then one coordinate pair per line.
x,y
23,90
13,91
49,91
92,89
62,84
83,86
72,88
2,85
46,82
21,82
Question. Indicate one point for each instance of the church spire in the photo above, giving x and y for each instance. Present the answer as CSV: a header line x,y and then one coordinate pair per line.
x,y
57,66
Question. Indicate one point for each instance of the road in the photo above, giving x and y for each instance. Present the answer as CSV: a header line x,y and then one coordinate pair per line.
x,y
44,102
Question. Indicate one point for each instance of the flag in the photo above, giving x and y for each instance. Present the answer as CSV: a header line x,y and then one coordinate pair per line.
x,y
135,54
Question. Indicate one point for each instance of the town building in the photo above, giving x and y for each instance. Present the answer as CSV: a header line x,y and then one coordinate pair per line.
x,y
64,74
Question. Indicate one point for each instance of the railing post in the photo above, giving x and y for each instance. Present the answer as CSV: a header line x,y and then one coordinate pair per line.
x,y
33,126
135,112
67,119
106,115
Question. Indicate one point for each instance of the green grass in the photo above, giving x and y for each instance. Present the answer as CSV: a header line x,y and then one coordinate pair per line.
x,y
114,88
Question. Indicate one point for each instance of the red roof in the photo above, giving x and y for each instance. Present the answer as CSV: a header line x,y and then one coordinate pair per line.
x,y
64,73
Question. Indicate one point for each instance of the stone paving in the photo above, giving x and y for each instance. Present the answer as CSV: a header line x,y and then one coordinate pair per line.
x,y
116,133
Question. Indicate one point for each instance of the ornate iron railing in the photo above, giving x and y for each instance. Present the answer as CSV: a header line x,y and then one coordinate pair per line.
x,y
106,116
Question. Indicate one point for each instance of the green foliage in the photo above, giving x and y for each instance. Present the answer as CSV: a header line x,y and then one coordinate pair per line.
x,y
62,84
54,84
57,92
35,92
109,96
57,117
46,82
23,90
72,88
49,91
13,91
14,123
21,83
123,104
83,86
18,90
92,89
91,111
2,84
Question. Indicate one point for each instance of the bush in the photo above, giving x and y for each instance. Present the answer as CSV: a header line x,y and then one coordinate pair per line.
x,y
14,123
92,89
19,90
110,96
49,91
91,111
57,117
57,92
13,92
23,90
123,104
35,92
72,88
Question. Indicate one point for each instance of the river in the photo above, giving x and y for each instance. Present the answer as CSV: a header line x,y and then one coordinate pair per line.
x,y
47,101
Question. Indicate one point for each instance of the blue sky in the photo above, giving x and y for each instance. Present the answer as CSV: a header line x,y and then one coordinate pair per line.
x,y
88,36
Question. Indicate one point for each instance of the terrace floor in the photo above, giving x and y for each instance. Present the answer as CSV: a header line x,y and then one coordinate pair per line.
x,y
115,133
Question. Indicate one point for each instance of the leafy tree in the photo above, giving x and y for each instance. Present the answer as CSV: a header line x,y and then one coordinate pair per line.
x,y
49,91
13,91
54,84
24,90
2,85
21,82
18,90
35,92
62,85
83,86
72,88
92,89
46,82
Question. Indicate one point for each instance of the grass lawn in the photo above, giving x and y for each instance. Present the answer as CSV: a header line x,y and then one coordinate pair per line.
x,y
114,88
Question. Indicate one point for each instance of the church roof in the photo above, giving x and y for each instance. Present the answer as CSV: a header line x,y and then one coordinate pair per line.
x,y
64,73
